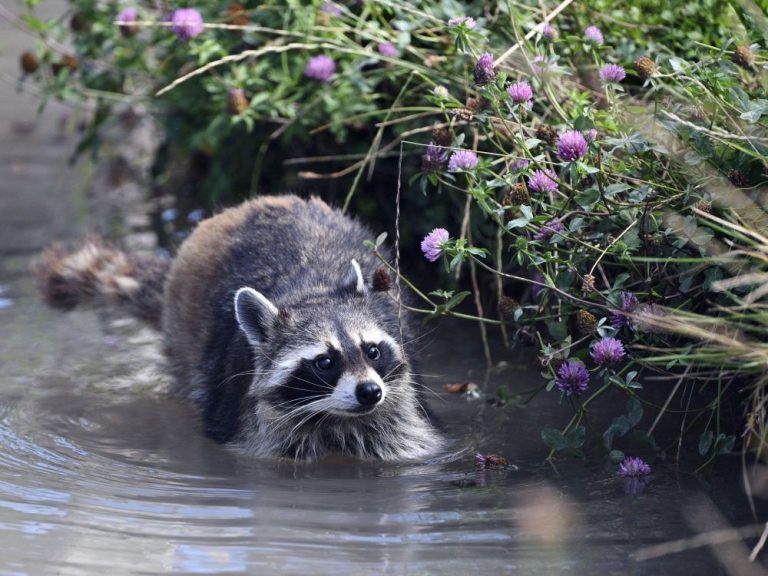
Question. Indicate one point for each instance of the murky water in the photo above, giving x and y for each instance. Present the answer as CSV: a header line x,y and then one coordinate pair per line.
x,y
100,473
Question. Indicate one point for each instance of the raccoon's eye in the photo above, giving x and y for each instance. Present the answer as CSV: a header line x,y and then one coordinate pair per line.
x,y
323,362
373,352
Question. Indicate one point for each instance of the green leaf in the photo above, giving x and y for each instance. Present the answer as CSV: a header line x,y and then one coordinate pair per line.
x,y
380,239
705,442
576,437
755,111
618,427
557,330
456,300
724,444
588,198
554,438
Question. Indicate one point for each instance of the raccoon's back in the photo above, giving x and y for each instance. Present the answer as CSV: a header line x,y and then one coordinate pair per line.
x,y
278,245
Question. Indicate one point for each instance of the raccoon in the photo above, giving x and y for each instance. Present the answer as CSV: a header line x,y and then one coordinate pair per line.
x,y
273,329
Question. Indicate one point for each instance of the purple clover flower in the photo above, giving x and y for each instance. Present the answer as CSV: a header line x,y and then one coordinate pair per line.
x,y
542,181
432,159
387,49
633,467
330,8
612,74
484,71
520,92
549,32
432,245
590,135
608,351
186,23
572,377
127,18
549,229
594,35
457,21
462,160
620,317
519,165
571,146
320,67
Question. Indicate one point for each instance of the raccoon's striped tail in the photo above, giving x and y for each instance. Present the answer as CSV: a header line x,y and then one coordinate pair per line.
x,y
97,273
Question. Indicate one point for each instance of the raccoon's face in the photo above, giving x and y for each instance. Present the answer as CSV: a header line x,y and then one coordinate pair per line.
x,y
330,354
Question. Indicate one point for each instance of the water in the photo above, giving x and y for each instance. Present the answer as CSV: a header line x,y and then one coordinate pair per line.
x,y
100,472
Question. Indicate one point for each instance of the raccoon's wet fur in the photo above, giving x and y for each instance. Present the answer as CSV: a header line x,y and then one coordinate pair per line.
x,y
272,328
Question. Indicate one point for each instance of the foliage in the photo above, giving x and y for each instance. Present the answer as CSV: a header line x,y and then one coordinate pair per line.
x,y
603,207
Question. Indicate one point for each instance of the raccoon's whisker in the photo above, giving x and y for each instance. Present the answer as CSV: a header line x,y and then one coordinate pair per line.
x,y
312,412
296,401
422,386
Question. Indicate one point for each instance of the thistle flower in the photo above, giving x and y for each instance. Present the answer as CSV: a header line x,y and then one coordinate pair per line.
x,y
620,317
633,467
381,280
612,74
236,14
186,23
432,159
387,49
546,133
594,35
549,229
520,92
738,178
572,377
549,32
29,62
462,160
457,21
320,67
517,195
127,21
608,351
67,62
507,307
571,145
432,245
484,71
743,56
586,323
542,181
441,135
237,103
645,67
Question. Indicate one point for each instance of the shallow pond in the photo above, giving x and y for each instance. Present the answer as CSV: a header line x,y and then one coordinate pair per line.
x,y
100,473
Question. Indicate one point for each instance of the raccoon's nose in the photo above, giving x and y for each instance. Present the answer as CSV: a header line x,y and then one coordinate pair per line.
x,y
368,393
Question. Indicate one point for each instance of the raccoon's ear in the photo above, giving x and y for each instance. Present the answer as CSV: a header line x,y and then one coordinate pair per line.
x,y
255,314
353,280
